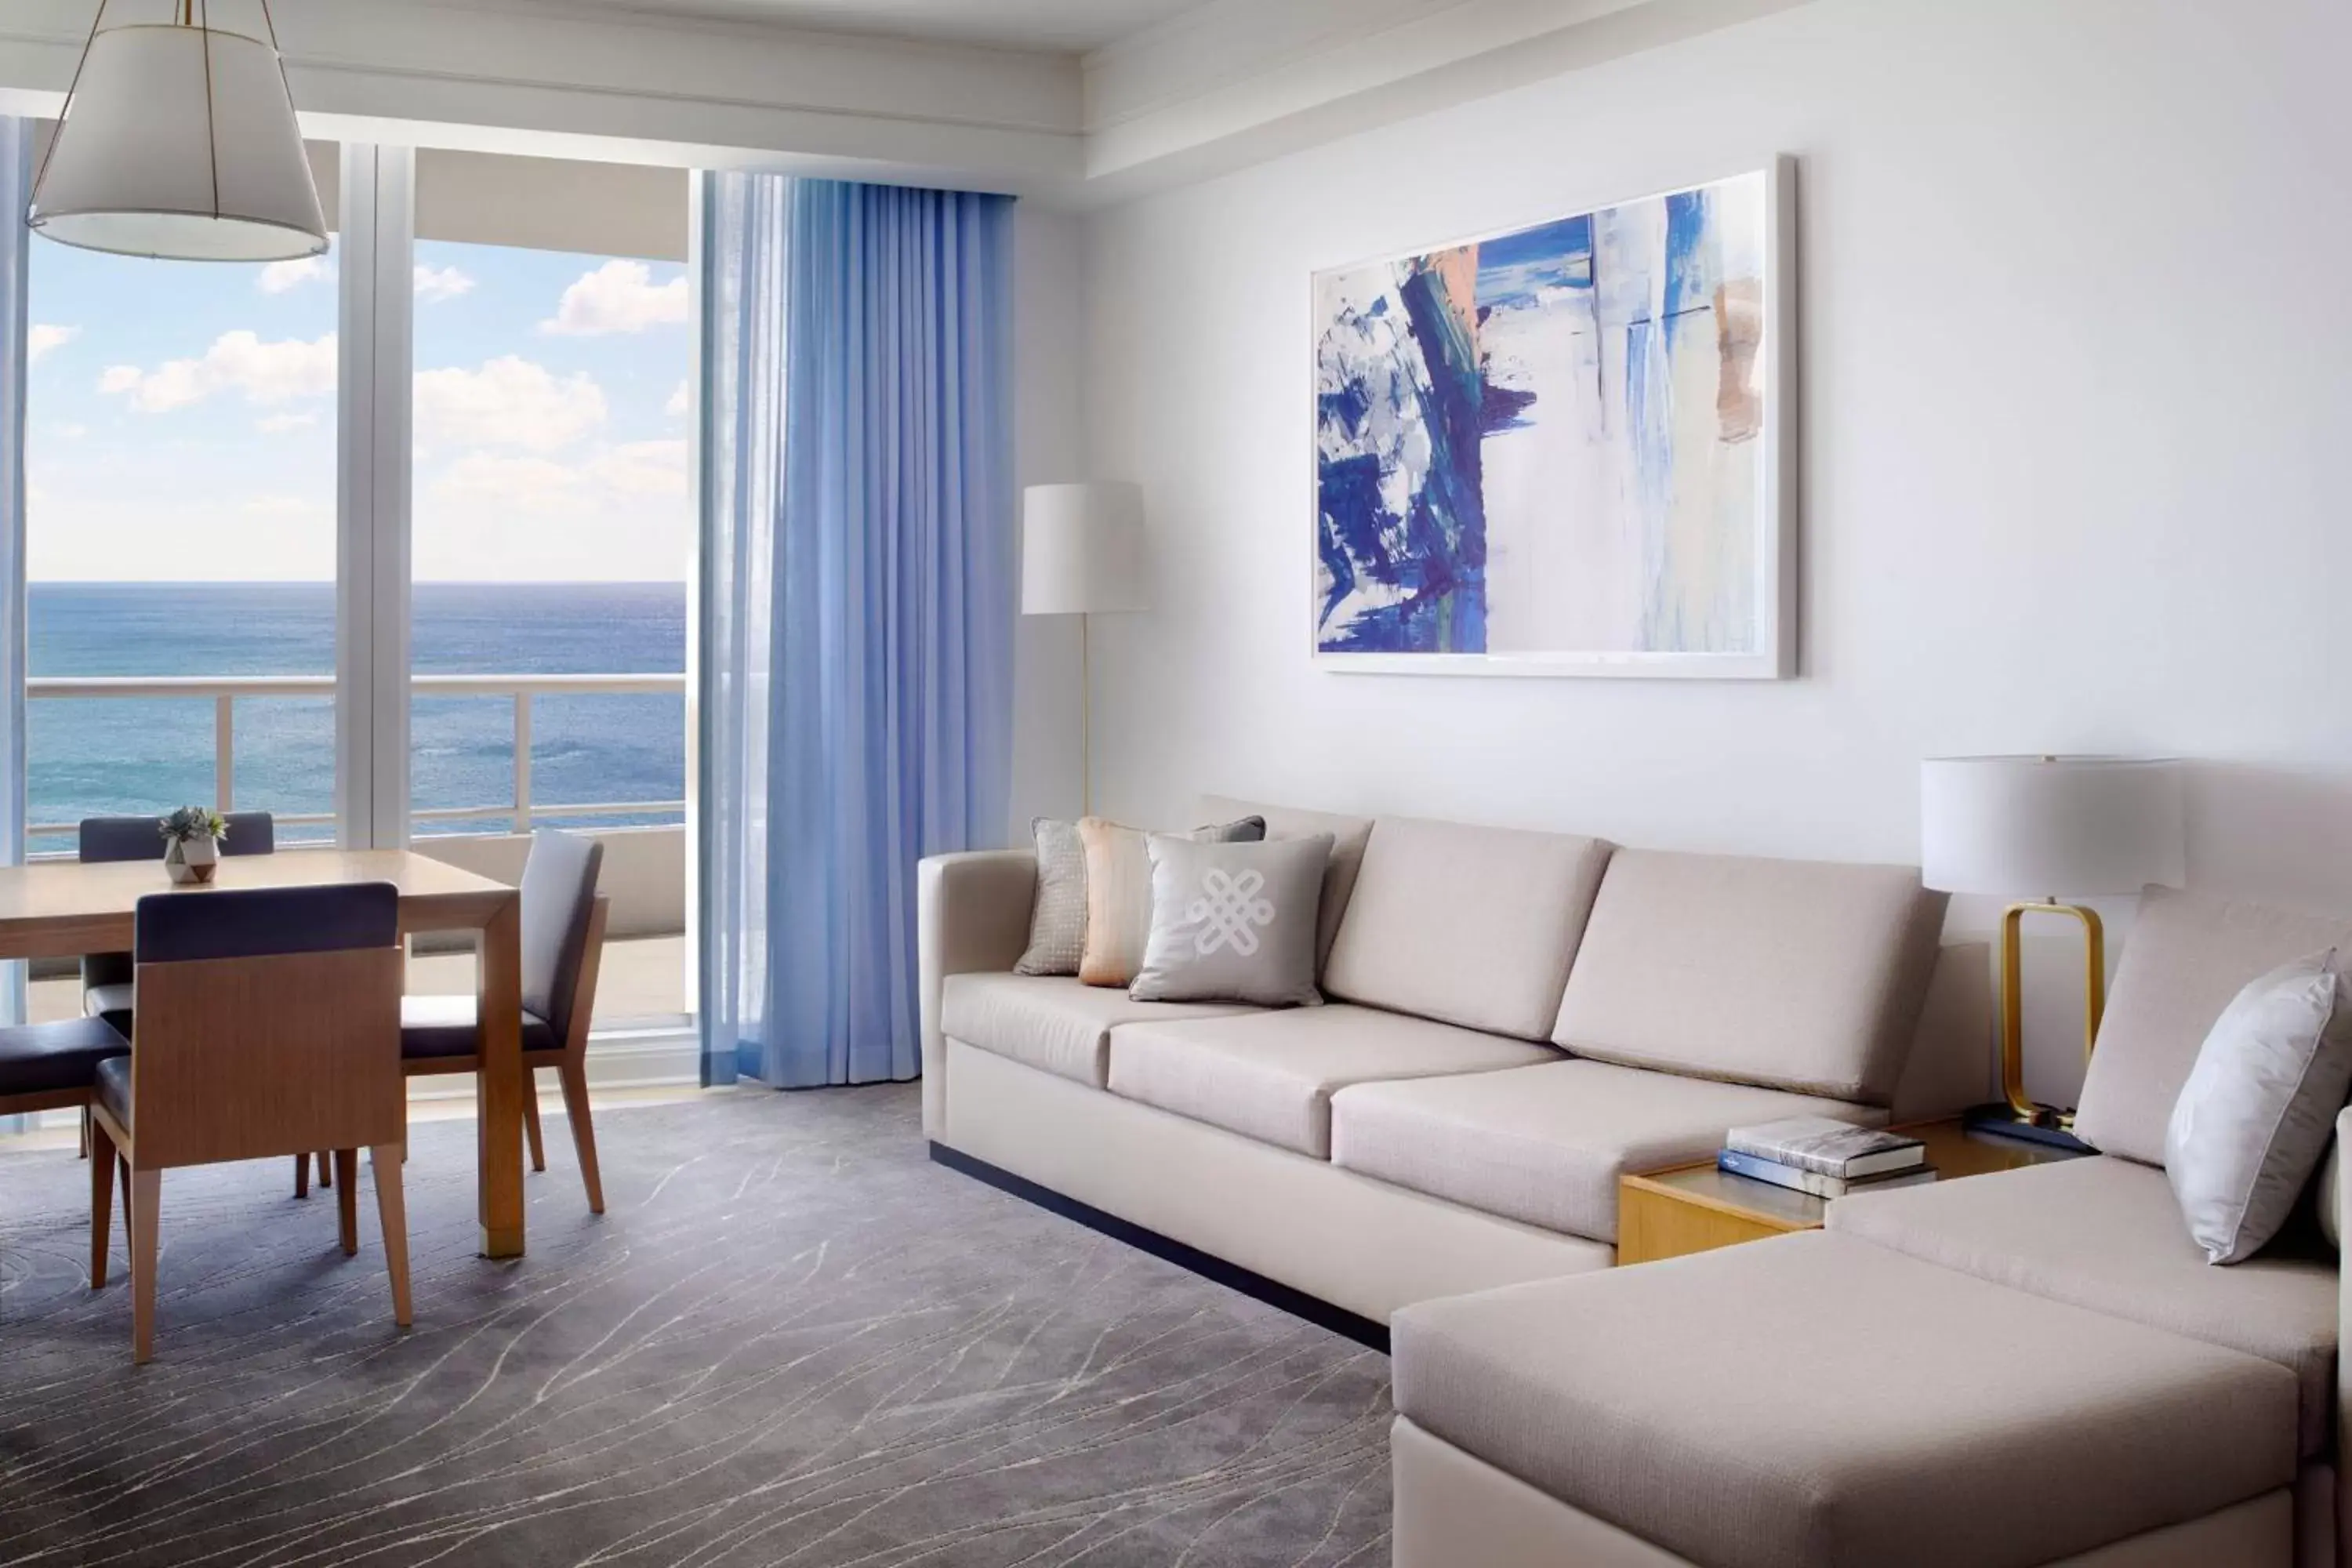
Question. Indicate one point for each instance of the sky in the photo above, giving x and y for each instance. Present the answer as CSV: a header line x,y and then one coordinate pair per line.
x,y
180,423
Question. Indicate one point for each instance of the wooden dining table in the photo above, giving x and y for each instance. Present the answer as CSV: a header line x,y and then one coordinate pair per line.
x,y
65,908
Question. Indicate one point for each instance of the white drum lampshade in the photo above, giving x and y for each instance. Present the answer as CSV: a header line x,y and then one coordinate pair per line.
x,y
1082,553
1081,549
180,140
2062,827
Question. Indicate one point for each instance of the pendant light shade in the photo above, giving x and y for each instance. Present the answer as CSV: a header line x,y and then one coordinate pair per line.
x,y
179,139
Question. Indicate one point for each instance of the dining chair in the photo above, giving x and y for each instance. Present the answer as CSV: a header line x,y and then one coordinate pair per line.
x,y
268,1022
106,976
54,1067
563,946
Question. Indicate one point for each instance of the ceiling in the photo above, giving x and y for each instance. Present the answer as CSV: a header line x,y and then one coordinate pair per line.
x,y
1071,25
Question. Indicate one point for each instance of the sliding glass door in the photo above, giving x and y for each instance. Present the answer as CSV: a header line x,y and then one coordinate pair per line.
x,y
552,533
391,544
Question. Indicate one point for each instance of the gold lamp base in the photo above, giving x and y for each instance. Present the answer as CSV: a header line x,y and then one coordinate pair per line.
x,y
2017,1115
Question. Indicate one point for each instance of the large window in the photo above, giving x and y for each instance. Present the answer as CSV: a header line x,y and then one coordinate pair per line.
x,y
180,539
193,542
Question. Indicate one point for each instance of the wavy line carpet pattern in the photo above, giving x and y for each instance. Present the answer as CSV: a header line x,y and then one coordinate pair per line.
x,y
791,1341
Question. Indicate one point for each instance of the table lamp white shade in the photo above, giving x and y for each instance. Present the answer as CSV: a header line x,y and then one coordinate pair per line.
x,y
2062,827
180,140
1081,549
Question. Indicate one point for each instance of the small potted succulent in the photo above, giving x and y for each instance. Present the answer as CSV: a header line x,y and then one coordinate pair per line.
x,y
191,836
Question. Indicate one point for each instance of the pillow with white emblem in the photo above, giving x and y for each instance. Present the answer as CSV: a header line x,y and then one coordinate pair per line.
x,y
1233,922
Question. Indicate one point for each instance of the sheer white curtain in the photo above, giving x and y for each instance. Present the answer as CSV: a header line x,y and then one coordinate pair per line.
x,y
746,229
16,137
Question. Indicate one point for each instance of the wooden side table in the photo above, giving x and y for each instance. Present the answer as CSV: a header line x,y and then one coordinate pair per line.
x,y
1695,1208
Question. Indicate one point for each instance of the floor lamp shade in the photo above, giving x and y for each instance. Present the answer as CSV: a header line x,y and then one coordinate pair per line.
x,y
2053,826
1081,549
180,140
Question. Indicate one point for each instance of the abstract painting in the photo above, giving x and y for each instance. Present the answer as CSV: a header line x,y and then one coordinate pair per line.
x,y
1561,449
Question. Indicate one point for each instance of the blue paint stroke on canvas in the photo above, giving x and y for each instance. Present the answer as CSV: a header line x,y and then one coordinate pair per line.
x,y
1546,442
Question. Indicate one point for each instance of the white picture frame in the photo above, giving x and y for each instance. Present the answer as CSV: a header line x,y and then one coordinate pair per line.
x,y
1772,652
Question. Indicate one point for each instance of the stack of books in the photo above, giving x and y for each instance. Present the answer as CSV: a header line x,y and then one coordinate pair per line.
x,y
1828,1159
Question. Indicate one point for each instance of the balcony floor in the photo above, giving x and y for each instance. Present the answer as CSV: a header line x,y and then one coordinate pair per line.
x,y
642,979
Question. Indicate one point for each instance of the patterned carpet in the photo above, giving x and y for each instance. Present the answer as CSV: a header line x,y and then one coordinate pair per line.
x,y
793,1340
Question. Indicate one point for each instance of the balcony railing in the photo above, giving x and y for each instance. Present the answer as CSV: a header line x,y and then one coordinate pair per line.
x,y
224,691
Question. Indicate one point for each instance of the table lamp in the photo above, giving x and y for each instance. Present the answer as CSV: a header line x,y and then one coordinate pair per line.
x,y
2077,827
1082,555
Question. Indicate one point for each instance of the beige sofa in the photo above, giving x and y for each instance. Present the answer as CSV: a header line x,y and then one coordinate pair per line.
x,y
2017,1369
1515,1018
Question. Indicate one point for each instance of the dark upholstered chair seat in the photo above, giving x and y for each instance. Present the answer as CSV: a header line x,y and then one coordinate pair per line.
x,y
114,1088
444,1026
49,1058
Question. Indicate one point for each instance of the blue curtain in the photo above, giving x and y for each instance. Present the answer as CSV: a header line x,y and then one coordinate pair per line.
x,y
857,604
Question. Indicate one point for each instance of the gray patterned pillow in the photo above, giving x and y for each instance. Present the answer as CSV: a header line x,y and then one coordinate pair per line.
x,y
1233,922
1057,922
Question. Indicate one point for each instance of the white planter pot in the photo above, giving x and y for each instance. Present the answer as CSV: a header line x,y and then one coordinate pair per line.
x,y
191,860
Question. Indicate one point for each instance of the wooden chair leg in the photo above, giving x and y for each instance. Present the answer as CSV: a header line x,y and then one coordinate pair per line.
x,y
326,1176
301,1175
122,1175
102,1200
575,1075
146,1217
347,1199
391,1209
85,1131
531,1118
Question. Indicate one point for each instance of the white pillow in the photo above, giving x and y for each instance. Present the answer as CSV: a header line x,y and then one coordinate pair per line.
x,y
2255,1119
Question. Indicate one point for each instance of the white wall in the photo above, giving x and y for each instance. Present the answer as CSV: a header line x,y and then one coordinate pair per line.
x,y
2075,326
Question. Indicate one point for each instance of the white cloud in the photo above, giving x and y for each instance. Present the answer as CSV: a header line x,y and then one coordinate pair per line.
x,y
619,511
239,361
280,277
680,404
510,401
44,339
641,469
618,297
69,432
278,423
435,284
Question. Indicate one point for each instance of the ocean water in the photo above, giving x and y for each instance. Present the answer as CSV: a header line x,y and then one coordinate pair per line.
x,y
139,755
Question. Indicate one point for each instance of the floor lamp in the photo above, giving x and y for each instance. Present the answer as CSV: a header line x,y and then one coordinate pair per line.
x,y
2082,826
1082,555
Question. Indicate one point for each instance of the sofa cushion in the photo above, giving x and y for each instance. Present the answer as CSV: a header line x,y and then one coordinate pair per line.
x,y
2184,960
1798,974
1546,1144
1349,836
1052,1023
1271,1076
2107,1235
1813,1402
1475,926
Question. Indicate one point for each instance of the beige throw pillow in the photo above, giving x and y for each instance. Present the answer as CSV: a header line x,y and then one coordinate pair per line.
x,y
1118,892
2255,1119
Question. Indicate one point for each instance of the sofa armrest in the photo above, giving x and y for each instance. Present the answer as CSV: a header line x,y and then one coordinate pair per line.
x,y
2342,1330
972,915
